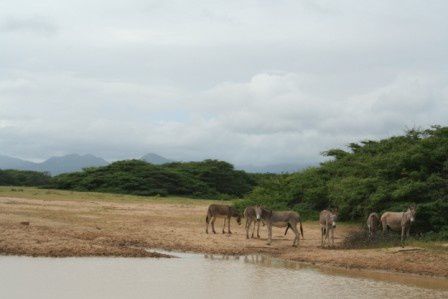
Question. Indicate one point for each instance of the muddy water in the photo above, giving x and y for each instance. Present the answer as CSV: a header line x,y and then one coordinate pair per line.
x,y
200,276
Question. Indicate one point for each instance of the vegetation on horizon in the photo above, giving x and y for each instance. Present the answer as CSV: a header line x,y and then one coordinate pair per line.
x,y
388,174
12,177
206,179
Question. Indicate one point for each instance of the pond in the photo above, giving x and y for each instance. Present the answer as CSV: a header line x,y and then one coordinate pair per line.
x,y
201,276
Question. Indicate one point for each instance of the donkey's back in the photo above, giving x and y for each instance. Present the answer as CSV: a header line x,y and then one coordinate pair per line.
x,y
391,220
249,212
216,210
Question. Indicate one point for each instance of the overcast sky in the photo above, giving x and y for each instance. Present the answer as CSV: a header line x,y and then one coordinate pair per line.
x,y
250,82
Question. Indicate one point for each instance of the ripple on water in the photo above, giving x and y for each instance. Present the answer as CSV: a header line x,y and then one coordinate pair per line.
x,y
192,276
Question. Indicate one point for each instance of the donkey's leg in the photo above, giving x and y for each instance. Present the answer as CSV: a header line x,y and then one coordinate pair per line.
x,y
248,223
228,225
269,233
332,236
223,228
213,224
321,236
297,235
384,225
258,228
253,228
403,231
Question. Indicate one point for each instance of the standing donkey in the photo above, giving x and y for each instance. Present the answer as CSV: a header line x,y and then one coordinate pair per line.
x,y
327,221
372,224
280,219
397,221
251,217
222,211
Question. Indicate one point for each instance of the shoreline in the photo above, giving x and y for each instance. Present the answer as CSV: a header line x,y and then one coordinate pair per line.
x,y
406,278
47,223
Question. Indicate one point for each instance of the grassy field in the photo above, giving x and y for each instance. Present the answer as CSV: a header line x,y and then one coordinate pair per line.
x,y
53,194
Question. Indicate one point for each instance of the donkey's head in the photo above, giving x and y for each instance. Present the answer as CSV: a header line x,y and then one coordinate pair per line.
x,y
412,210
334,216
258,212
237,214
238,219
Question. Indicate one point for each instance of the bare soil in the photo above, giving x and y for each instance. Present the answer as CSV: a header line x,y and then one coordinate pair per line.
x,y
60,228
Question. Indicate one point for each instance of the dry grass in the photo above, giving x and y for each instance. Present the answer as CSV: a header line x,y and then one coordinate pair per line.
x,y
60,223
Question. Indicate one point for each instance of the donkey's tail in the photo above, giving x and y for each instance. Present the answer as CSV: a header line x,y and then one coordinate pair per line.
x,y
207,219
301,228
287,228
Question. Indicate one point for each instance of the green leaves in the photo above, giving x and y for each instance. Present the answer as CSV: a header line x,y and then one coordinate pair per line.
x,y
374,176
12,177
207,179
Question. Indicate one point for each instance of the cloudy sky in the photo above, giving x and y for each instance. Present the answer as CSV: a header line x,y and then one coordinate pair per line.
x,y
250,82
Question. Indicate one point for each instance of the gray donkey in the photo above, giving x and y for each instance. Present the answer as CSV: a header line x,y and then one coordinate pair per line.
x,y
251,217
373,222
222,211
280,219
397,221
327,221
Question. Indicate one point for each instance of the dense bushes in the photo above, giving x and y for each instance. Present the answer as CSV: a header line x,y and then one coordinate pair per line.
x,y
371,176
210,178
11,177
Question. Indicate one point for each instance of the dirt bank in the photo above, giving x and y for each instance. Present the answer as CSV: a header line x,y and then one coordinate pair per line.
x,y
80,227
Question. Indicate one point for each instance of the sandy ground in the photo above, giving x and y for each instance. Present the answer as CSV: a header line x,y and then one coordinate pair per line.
x,y
39,227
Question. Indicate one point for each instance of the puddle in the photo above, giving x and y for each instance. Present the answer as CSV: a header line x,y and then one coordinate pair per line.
x,y
200,276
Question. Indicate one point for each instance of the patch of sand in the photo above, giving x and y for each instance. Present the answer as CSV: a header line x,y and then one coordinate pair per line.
x,y
100,228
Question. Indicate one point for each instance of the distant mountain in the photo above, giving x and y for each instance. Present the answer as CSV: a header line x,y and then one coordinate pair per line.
x,y
71,163
75,162
276,168
7,162
54,165
155,159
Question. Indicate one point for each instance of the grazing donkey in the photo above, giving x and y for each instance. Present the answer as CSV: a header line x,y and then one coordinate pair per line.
x,y
327,221
372,224
223,211
280,219
397,221
251,217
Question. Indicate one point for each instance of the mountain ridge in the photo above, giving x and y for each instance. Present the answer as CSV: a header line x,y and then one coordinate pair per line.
x,y
54,165
74,162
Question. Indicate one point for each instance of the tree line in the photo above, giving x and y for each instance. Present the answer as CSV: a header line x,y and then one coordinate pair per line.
x,y
207,179
11,177
370,176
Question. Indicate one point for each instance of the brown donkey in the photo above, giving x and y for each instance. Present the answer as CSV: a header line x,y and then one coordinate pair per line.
x,y
399,221
221,211
327,221
373,222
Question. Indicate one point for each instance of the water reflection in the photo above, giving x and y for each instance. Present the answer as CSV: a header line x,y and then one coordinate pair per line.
x,y
221,257
191,276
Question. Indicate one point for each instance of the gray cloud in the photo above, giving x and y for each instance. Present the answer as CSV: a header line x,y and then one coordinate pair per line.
x,y
32,25
250,82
